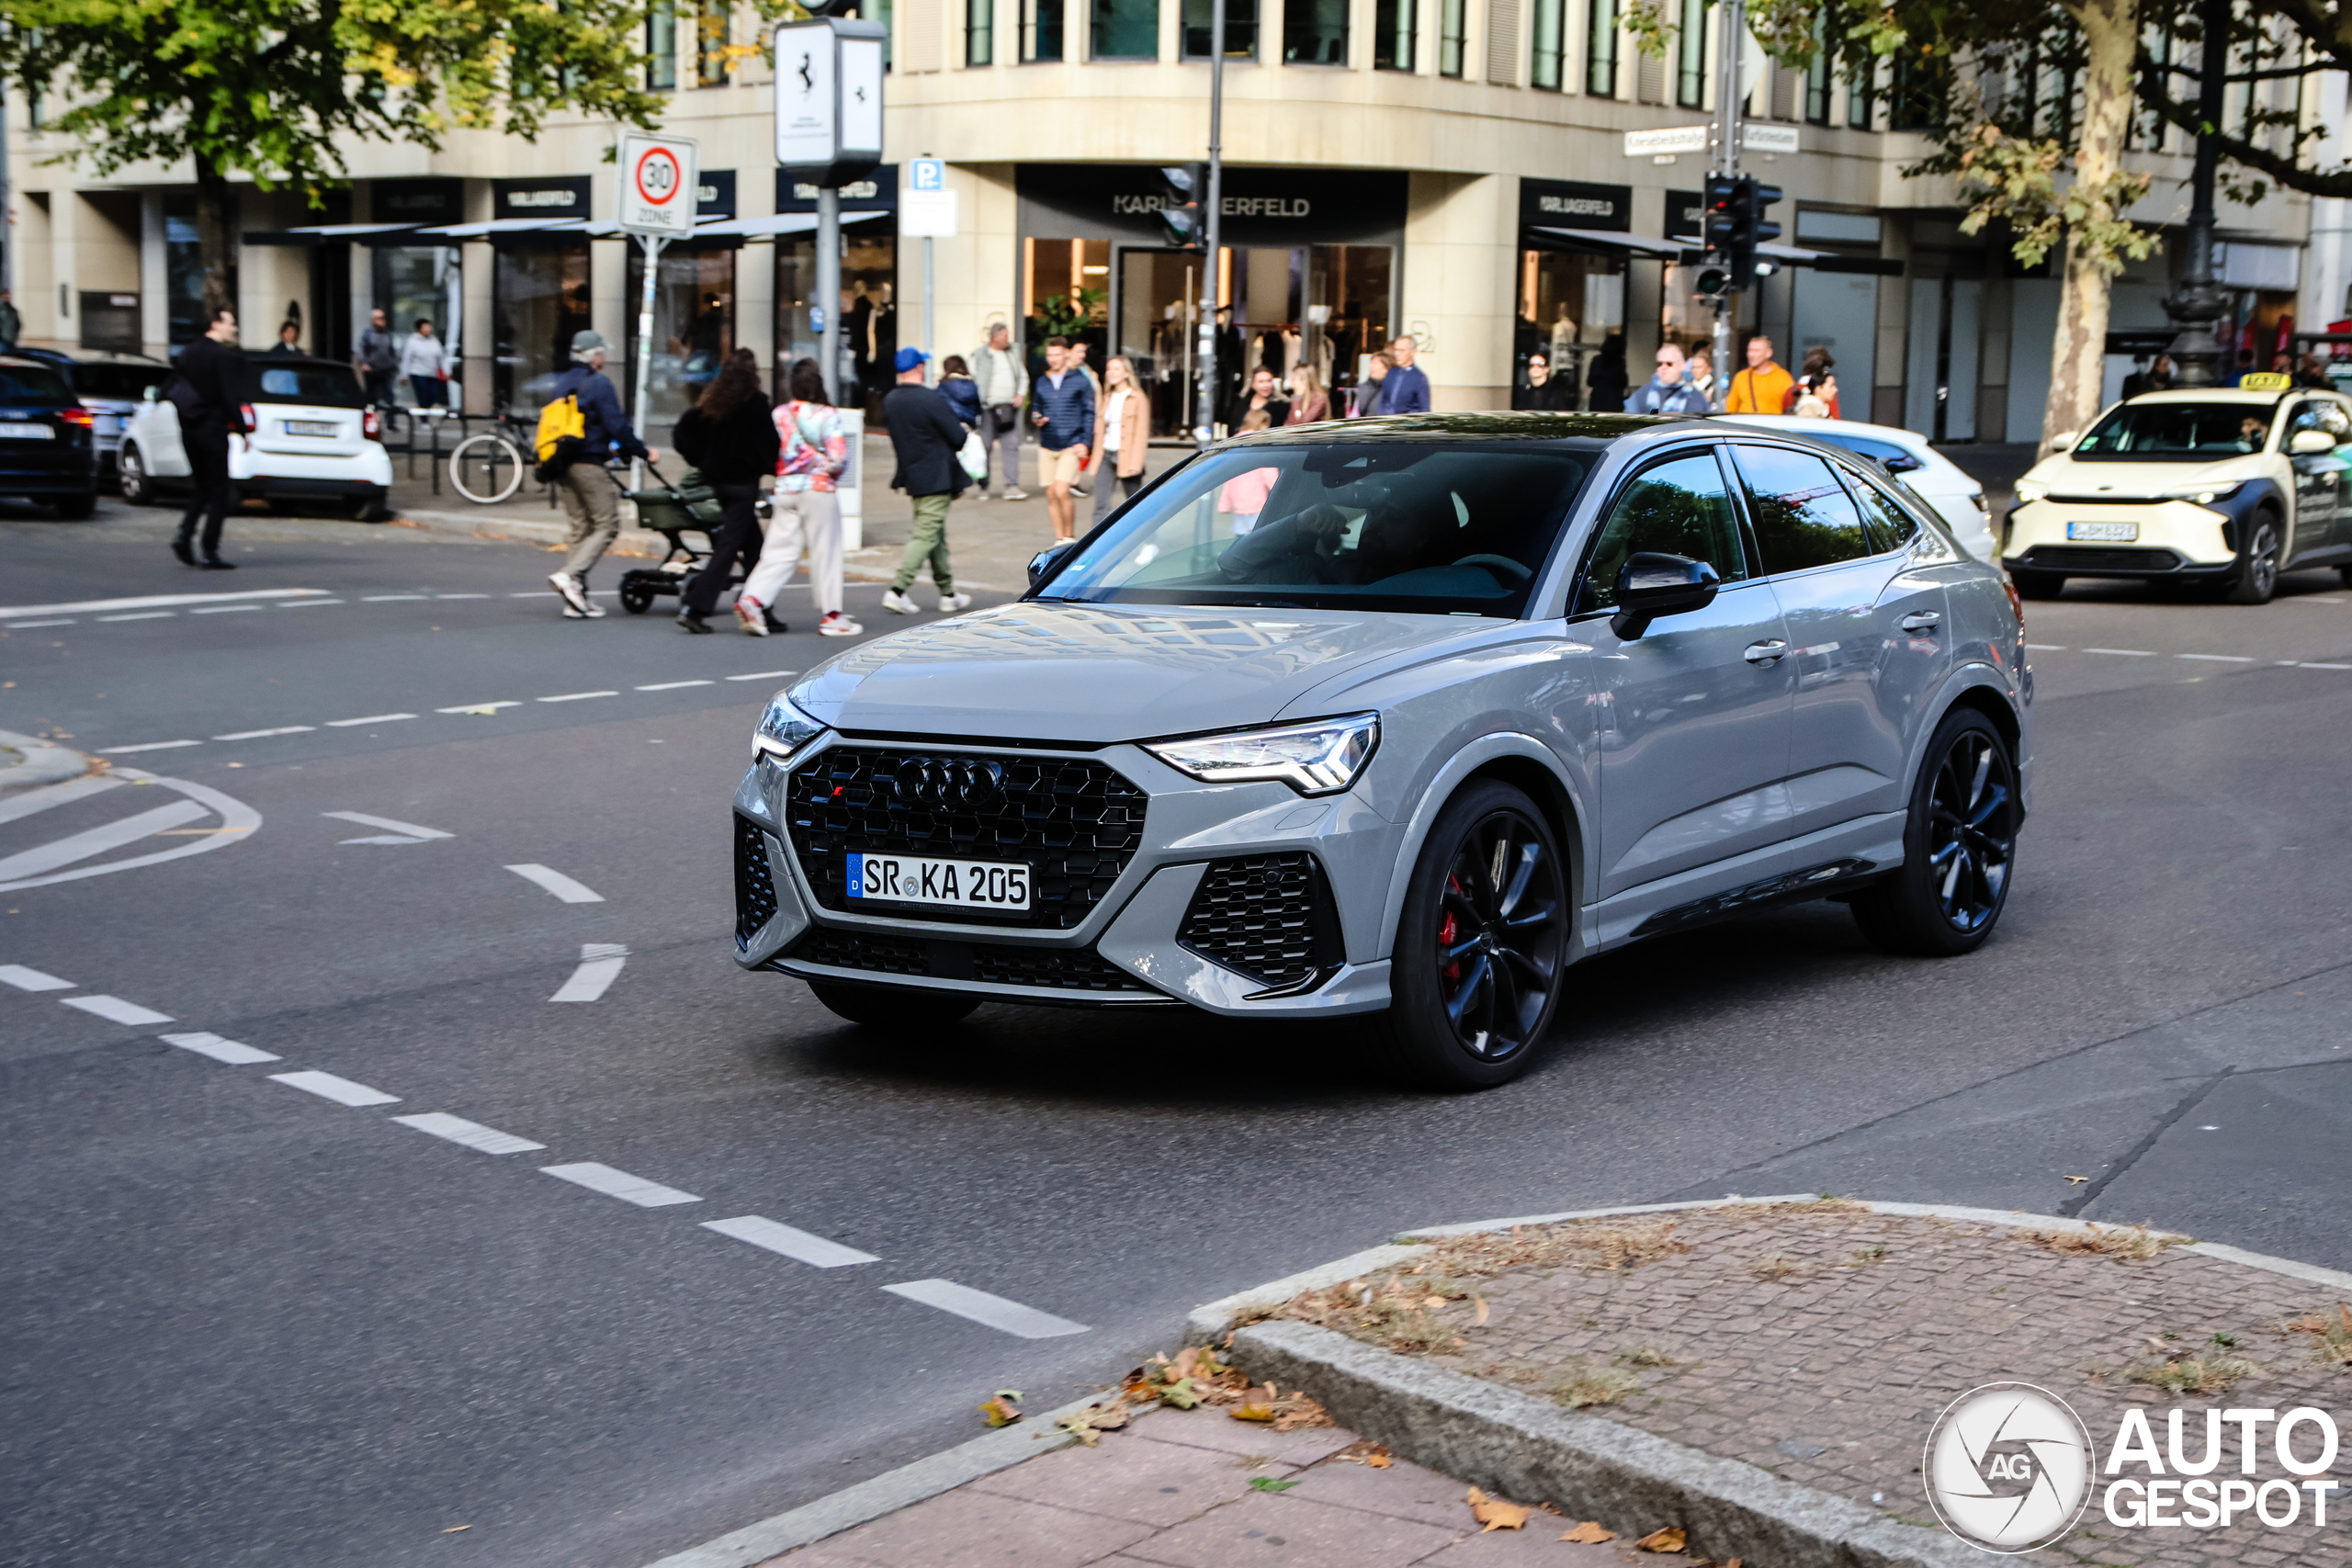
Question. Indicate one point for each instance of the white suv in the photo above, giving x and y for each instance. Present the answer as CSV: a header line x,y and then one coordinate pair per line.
x,y
314,438
2223,487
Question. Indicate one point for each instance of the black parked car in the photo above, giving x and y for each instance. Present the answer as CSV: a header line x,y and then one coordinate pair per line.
x,y
110,386
45,455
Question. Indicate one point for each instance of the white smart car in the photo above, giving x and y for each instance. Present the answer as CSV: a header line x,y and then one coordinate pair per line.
x,y
2219,487
1904,456
314,439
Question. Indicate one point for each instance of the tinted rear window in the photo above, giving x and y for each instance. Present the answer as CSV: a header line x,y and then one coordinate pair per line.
x,y
332,385
31,384
123,382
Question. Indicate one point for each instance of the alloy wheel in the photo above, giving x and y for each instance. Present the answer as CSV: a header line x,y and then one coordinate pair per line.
x,y
1499,938
1971,831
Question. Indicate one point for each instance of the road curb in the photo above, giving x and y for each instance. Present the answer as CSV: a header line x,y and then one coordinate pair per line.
x,y
634,542
37,763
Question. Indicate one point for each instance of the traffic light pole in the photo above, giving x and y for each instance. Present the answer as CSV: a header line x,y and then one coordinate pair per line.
x,y
1213,200
1727,105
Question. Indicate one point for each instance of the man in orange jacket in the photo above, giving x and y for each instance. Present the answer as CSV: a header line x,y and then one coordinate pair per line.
x,y
1763,386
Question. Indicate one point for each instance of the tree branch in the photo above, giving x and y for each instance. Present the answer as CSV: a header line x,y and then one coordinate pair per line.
x,y
2286,171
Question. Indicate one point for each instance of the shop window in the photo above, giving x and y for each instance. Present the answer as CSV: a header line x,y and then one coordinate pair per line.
x,y
1452,22
694,330
1041,30
1690,56
980,32
1392,35
1858,99
868,313
1601,50
661,49
1126,29
1920,92
184,268
879,11
1569,305
1544,68
1816,76
1240,29
1315,32
539,298
1065,292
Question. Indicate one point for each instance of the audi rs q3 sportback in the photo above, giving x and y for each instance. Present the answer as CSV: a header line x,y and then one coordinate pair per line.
x,y
1401,718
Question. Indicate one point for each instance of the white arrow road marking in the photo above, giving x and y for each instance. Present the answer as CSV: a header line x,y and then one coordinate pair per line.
x,y
220,1050
48,795
399,832
96,840
474,1134
810,1249
238,821
555,881
26,979
995,1312
114,1009
619,1184
343,1091
599,966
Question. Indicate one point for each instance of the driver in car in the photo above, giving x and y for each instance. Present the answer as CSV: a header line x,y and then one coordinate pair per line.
x,y
1294,549
2251,430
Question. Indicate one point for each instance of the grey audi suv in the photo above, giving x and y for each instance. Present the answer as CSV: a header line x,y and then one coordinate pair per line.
x,y
1399,718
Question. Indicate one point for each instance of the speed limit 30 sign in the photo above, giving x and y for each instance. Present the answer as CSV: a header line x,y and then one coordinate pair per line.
x,y
659,177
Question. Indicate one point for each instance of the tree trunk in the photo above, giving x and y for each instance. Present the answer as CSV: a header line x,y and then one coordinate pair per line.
x,y
215,246
2079,358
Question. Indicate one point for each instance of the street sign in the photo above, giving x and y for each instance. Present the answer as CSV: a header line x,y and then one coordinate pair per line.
x,y
829,98
926,173
927,214
660,182
1756,138
1702,138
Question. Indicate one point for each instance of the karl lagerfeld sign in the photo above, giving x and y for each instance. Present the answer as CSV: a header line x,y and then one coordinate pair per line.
x,y
1257,206
1572,204
1128,205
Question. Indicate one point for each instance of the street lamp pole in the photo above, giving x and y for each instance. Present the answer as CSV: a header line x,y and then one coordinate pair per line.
x,y
1213,200
2198,354
1727,107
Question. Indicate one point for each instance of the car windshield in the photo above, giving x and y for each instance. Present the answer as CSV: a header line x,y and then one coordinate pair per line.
x,y
2176,432
1397,525
31,384
124,383
332,385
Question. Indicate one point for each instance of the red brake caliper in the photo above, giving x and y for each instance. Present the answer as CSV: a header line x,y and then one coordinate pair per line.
x,y
1448,933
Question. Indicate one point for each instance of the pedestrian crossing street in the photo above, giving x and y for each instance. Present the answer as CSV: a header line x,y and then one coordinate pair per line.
x,y
118,820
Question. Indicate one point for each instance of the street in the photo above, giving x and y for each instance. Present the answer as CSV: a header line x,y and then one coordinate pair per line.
x,y
261,1322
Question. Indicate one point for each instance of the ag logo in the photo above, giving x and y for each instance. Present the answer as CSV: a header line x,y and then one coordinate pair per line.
x,y
2008,1467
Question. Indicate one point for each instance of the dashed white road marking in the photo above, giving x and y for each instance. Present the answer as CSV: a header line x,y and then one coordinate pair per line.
x,y
479,707
2310,666
599,966
26,979
149,746
98,841
2045,648
461,595
225,609
578,696
264,734
144,615
764,675
814,1250
307,604
391,598
397,832
371,719
673,686
555,881
48,795
2217,658
343,1091
474,1134
2124,652
619,1184
152,600
994,1312
114,1009
27,625
220,1050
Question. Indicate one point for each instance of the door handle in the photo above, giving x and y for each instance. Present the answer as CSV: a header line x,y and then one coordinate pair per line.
x,y
1922,621
1765,652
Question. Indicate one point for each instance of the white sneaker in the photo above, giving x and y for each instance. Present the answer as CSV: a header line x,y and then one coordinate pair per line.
x,y
951,602
897,604
569,589
748,616
571,614
1016,493
835,624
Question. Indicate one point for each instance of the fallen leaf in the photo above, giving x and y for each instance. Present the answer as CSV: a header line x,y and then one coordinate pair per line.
x,y
1495,1514
1378,1459
1480,1321
1669,1539
1089,1424
2077,1180
1002,1408
1252,1412
1589,1533
1433,1303
1268,1483
455,1529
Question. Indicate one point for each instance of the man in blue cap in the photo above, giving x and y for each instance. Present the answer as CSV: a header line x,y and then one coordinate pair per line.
x,y
926,437
591,495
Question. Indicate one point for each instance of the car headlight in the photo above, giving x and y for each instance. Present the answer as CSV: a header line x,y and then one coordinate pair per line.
x,y
783,730
2205,495
2027,493
1321,758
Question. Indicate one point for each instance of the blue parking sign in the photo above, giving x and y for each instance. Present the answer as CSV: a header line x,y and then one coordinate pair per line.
x,y
926,173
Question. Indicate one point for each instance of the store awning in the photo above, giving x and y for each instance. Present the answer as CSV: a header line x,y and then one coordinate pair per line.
x,y
769,227
489,226
318,233
1609,243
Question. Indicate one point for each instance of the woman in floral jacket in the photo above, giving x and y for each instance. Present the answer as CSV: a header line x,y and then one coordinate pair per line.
x,y
807,514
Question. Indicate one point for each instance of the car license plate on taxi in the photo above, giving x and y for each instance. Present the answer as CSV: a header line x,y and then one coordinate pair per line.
x,y
13,430
2104,533
966,884
313,428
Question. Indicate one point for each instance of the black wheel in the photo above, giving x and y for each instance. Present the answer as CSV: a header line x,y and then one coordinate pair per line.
x,y
2038,585
877,1007
74,508
1475,975
637,593
368,508
131,478
1957,847
2258,574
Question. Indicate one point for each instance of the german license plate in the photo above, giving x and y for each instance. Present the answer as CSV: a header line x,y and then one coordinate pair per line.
x,y
11,430
2104,533
313,428
965,884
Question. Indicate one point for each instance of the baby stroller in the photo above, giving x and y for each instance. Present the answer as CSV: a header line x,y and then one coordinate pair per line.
x,y
674,511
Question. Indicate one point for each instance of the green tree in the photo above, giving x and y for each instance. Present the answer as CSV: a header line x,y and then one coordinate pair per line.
x,y
277,89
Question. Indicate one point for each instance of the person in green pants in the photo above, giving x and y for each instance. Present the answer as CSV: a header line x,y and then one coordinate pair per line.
x,y
926,436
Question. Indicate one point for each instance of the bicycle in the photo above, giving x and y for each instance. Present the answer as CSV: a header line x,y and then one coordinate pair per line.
x,y
489,467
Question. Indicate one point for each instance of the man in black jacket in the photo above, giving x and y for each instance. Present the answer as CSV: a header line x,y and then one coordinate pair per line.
x,y
926,436
210,400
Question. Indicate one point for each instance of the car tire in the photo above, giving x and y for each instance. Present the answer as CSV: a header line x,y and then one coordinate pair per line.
x,y
368,508
75,508
131,477
2038,585
1450,1024
2257,578
1958,847
895,1011
2345,573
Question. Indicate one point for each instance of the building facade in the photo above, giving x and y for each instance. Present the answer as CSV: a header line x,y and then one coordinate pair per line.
x,y
1453,170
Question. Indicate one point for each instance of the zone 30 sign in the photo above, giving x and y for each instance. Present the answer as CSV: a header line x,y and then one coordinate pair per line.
x,y
658,180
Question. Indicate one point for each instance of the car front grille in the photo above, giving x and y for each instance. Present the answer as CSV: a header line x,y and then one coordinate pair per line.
x,y
755,903
1074,822
2098,558
1267,917
994,964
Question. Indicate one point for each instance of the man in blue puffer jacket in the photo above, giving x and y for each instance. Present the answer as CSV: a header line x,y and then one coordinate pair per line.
x,y
1061,405
591,495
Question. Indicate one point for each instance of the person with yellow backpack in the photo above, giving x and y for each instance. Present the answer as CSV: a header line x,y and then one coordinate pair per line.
x,y
582,431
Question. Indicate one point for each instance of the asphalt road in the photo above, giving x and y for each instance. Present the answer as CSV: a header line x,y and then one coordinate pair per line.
x,y
251,1324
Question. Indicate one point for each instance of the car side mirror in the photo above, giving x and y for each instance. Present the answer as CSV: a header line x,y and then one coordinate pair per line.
x,y
1904,463
2063,441
1042,564
1650,584
2311,443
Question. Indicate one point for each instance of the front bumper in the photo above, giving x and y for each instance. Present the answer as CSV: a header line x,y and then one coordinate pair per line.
x,y
2172,539
1244,901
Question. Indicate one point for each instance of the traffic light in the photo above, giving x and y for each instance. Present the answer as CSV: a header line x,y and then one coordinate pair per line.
x,y
1715,222
1749,228
1711,280
1183,208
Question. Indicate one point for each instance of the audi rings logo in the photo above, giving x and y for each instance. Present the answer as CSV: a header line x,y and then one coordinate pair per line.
x,y
2008,1467
954,784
